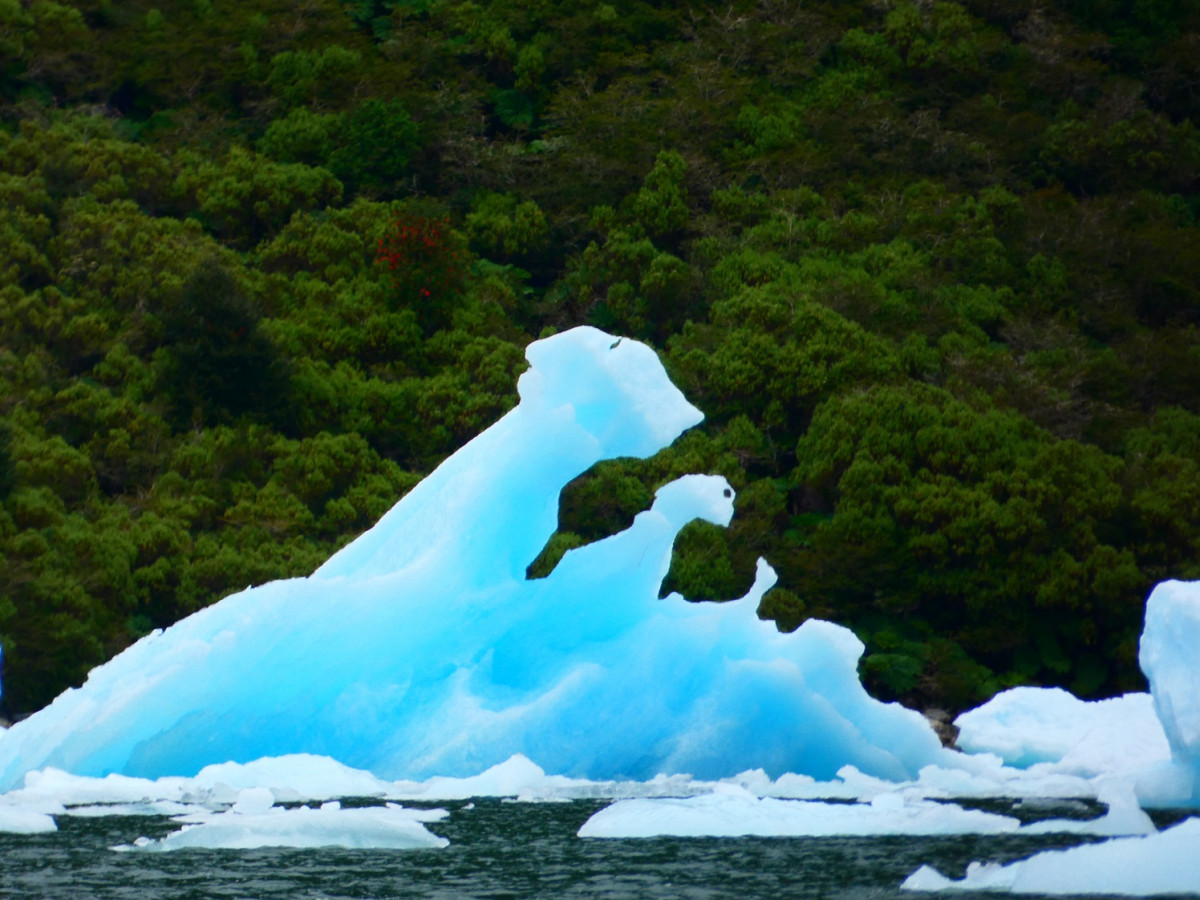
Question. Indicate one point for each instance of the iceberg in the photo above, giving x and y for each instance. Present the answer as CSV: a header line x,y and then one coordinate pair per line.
x,y
419,662
1025,726
422,649
1167,655
1150,741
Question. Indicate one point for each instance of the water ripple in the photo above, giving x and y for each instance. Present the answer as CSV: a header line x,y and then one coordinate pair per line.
x,y
500,851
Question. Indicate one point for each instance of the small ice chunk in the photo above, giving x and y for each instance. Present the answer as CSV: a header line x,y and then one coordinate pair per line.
x,y
254,802
515,776
292,777
982,877
21,820
1124,816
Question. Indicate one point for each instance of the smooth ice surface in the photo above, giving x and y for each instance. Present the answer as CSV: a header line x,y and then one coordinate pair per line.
x,y
420,649
735,812
1162,863
21,820
254,822
729,810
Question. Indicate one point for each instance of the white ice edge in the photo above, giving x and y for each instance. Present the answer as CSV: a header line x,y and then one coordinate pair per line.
x,y
1166,862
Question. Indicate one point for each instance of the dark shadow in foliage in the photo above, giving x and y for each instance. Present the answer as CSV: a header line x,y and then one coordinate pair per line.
x,y
377,143
216,365
8,470
704,565
598,504
556,548
514,111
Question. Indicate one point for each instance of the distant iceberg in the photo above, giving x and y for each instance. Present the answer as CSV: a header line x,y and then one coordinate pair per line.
x,y
421,649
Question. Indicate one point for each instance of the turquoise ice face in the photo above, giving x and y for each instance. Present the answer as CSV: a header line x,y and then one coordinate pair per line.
x,y
421,648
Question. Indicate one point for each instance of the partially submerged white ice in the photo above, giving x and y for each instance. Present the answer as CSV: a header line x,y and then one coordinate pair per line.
x,y
733,812
254,822
1156,760
421,649
1150,742
729,810
1162,863
21,819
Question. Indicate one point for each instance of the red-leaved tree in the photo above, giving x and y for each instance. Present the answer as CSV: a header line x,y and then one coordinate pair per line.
x,y
426,264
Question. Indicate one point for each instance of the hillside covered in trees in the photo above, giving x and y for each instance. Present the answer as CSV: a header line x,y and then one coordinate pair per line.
x,y
931,270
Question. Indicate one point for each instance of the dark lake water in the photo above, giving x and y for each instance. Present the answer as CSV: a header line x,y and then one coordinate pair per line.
x,y
498,850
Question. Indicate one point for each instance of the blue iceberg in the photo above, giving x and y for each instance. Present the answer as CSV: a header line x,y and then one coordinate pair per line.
x,y
422,649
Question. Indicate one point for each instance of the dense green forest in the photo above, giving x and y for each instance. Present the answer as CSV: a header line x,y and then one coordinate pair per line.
x,y
931,270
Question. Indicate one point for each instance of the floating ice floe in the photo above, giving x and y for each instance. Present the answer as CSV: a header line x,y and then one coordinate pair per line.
x,y
1163,863
299,778
735,812
255,822
731,811
20,819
